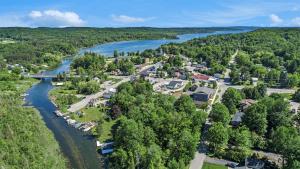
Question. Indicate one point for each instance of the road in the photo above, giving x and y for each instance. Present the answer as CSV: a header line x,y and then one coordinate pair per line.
x,y
106,86
84,102
200,155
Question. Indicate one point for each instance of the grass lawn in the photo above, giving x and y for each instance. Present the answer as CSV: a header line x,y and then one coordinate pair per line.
x,y
94,114
90,114
213,166
106,135
62,90
63,97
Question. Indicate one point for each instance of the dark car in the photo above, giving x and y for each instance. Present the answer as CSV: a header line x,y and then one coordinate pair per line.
x,y
232,165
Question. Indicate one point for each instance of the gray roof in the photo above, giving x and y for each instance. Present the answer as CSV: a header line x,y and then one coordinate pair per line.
x,y
206,90
174,83
238,117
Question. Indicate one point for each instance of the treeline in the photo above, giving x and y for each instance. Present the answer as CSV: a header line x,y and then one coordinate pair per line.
x,y
25,141
49,45
154,130
267,124
272,55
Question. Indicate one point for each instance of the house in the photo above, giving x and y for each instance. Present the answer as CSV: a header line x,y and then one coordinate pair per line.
x,y
218,76
201,67
254,81
200,78
96,79
175,85
245,103
109,93
190,68
252,163
151,70
237,119
202,94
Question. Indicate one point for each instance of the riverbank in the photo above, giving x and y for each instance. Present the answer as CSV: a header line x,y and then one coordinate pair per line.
x,y
24,132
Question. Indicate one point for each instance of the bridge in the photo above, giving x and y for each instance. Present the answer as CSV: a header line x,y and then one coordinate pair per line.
x,y
43,76
40,76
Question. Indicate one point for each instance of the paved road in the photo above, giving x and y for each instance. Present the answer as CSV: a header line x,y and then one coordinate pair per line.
x,y
84,102
200,155
218,161
106,86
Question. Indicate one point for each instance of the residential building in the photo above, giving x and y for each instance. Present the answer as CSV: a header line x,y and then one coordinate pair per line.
x,y
202,94
245,103
200,78
109,93
237,119
175,85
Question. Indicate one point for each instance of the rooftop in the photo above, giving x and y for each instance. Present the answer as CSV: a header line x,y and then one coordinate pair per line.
x,y
200,77
206,90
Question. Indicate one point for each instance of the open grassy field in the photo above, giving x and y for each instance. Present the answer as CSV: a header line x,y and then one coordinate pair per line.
x,y
213,166
90,114
95,114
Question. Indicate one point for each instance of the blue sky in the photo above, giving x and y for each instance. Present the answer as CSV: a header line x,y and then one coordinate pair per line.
x,y
156,13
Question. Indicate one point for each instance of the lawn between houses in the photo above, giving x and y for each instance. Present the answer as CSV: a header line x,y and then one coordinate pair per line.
x,y
63,97
95,114
213,166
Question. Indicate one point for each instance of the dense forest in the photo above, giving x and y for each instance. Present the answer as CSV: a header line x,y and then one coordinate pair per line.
x,y
272,55
154,130
25,142
48,45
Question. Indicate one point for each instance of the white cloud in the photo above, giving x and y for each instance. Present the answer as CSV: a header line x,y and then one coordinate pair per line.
x,y
128,19
54,18
275,19
35,14
238,13
296,21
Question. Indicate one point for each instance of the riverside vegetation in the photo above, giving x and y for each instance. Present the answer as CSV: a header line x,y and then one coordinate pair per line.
x,y
25,141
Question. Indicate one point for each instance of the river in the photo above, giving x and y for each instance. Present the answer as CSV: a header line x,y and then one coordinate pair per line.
x,y
79,147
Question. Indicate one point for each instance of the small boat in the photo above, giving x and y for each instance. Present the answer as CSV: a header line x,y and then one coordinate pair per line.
x,y
107,151
58,113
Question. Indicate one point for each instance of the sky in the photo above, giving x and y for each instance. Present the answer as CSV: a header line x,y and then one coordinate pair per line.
x,y
154,13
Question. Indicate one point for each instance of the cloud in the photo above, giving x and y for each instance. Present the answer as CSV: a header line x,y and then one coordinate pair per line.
x,y
238,13
128,19
54,18
296,21
275,19
35,14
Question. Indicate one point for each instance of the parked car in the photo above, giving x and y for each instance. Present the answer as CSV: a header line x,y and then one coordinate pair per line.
x,y
231,165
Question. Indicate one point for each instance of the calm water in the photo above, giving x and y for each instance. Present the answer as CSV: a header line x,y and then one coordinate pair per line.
x,y
80,148
141,45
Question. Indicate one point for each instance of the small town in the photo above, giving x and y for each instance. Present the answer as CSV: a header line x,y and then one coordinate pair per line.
x,y
204,90
155,84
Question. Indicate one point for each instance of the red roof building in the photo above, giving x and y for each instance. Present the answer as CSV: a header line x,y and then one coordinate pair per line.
x,y
201,77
